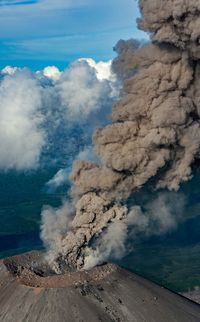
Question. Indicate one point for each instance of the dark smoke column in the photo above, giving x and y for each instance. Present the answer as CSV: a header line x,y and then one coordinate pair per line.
x,y
155,130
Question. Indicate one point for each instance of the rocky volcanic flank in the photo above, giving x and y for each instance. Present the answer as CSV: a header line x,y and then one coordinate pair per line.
x,y
30,293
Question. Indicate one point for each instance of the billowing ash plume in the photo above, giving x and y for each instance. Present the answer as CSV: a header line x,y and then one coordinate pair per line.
x,y
155,131
157,217
124,64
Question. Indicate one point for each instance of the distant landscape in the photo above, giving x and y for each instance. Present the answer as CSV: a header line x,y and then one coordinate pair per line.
x,y
171,260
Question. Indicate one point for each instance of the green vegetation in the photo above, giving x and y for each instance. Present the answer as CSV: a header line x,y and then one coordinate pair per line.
x,y
21,200
177,268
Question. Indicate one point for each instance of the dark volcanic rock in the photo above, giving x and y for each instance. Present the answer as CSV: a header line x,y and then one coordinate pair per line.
x,y
29,292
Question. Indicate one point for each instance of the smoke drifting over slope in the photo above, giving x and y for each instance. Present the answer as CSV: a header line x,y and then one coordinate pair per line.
x,y
155,130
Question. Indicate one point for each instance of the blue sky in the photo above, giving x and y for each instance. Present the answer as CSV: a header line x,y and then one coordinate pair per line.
x,y
37,33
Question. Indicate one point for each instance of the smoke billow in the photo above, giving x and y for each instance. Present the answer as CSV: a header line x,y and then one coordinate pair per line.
x,y
157,217
124,64
155,133
55,224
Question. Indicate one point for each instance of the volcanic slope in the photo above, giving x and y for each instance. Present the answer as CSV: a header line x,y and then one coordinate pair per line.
x,y
29,293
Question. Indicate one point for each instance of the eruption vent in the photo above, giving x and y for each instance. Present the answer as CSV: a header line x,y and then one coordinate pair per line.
x,y
155,132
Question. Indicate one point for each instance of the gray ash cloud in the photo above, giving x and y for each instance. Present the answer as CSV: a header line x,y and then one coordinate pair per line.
x,y
155,130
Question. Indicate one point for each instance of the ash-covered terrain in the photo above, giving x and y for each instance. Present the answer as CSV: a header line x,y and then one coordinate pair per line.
x,y
105,293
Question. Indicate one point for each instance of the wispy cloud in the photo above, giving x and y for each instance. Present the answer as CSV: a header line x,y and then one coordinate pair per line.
x,y
70,46
45,4
60,30
17,2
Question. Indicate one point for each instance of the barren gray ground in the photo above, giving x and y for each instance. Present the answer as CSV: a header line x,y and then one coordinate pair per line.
x,y
106,293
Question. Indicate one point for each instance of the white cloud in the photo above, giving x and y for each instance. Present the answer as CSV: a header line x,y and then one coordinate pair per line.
x,y
9,70
103,68
52,73
81,92
35,108
21,136
59,179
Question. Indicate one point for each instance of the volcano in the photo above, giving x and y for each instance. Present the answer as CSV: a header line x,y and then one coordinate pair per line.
x,y
31,292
